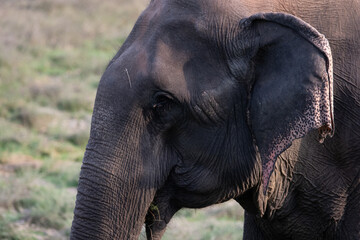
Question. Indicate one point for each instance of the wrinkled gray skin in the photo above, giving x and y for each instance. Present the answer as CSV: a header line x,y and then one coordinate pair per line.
x,y
173,122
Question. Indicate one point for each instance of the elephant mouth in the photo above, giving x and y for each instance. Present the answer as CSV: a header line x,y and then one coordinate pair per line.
x,y
155,222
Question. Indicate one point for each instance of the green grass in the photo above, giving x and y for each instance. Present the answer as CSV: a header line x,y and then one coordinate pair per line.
x,y
62,176
7,231
48,207
38,198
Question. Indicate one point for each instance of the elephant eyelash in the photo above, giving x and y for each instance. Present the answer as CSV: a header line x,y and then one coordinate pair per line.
x,y
166,109
162,101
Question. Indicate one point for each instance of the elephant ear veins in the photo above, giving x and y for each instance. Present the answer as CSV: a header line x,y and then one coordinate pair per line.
x,y
303,78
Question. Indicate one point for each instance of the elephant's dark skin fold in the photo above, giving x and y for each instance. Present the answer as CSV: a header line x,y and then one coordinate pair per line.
x,y
208,101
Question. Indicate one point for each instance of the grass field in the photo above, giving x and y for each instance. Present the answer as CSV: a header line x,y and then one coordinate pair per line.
x,y
52,54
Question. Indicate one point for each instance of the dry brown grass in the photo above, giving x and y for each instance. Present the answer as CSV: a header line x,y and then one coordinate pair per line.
x,y
64,23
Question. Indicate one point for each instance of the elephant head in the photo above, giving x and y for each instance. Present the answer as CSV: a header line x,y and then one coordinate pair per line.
x,y
193,110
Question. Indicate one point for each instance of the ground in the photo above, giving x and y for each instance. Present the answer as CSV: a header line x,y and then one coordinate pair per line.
x,y
52,54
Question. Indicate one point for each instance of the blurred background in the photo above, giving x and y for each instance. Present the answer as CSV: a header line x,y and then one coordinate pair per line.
x,y
52,55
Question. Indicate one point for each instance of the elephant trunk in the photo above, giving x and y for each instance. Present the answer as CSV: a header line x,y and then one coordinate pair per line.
x,y
111,203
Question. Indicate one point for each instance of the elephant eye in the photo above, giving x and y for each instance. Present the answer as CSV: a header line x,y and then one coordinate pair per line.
x,y
162,101
166,109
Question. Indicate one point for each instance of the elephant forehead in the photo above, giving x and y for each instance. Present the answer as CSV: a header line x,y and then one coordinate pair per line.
x,y
168,70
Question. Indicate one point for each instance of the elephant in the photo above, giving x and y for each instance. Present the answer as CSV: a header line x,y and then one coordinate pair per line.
x,y
208,101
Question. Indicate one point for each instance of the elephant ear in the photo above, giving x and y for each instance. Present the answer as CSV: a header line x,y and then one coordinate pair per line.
x,y
291,92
